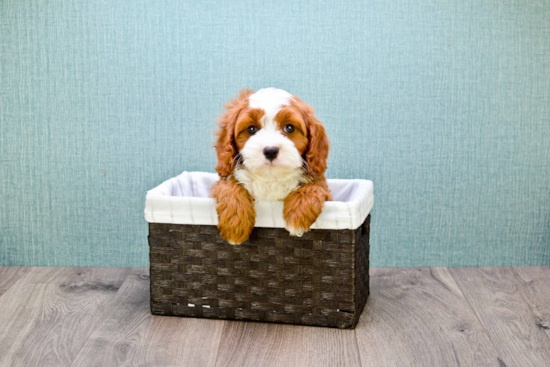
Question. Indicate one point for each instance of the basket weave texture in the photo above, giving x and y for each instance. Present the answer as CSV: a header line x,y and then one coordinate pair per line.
x,y
320,279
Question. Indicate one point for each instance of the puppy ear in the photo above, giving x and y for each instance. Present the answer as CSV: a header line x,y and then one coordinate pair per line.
x,y
317,151
226,149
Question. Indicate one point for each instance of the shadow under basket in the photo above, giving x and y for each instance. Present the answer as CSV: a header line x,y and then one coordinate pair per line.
x,y
319,279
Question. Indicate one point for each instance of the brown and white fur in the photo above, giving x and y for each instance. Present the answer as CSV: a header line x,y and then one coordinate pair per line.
x,y
270,146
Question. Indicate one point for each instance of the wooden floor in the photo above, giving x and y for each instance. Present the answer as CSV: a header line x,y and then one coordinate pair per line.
x,y
414,317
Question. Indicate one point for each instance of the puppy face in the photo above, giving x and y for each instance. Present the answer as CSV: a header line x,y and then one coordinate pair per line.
x,y
271,132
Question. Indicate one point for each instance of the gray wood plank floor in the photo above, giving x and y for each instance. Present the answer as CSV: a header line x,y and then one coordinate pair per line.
x,y
414,317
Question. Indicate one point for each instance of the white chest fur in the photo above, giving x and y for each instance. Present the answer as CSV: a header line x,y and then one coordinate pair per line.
x,y
270,184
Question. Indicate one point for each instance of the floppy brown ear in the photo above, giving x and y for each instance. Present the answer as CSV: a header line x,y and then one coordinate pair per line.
x,y
317,151
226,149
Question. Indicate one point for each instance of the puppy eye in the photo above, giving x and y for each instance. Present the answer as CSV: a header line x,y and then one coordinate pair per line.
x,y
288,128
252,130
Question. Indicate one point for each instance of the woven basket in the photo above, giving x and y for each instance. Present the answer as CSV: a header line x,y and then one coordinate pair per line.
x,y
321,278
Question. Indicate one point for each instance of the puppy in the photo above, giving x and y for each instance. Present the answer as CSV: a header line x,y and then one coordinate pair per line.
x,y
270,146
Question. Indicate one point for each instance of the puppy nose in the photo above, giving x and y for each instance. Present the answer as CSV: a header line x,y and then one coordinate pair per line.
x,y
271,152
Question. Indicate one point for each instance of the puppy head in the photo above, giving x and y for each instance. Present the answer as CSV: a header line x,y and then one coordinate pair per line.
x,y
271,132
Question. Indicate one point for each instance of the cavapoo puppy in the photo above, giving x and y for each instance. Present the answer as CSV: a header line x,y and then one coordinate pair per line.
x,y
270,146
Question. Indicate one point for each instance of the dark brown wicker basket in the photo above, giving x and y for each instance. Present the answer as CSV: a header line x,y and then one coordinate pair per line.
x,y
321,278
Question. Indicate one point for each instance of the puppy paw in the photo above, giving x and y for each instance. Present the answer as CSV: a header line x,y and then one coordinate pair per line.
x,y
298,222
298,232
236,213
234,238
302,208
236,222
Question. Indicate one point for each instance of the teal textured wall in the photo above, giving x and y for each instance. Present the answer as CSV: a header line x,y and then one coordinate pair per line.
x,y
445,105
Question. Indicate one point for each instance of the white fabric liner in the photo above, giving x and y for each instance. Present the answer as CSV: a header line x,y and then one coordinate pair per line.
x,y
185,199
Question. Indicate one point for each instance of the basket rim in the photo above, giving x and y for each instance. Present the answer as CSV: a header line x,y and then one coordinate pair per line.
x,y
184,200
